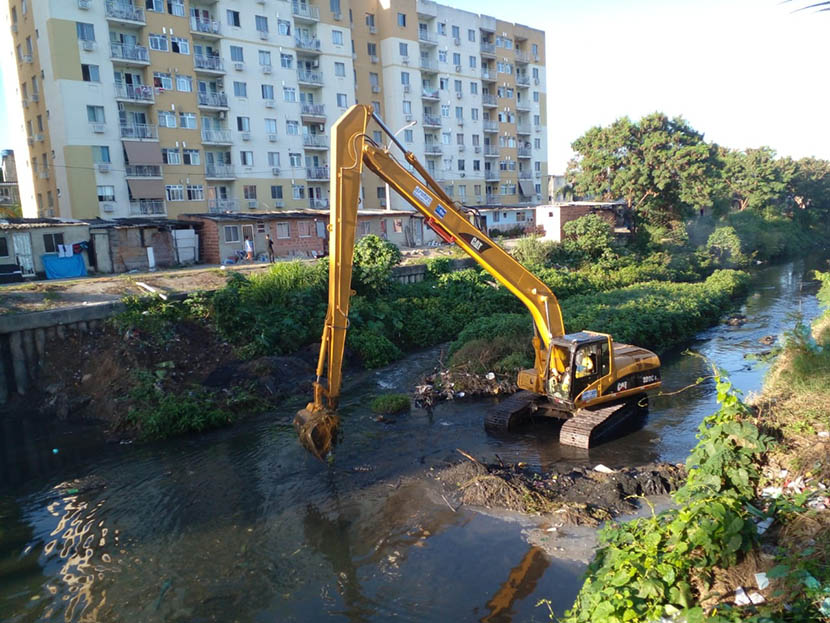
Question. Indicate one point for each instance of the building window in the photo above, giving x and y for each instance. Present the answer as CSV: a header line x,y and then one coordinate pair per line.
x,y
191,157
286,61
340,70
195,192
408,136
179,45
249,191
270,126
370,20
267,91
237,55
233,18
342,102
95,114
471,35
174,192
175,7
246,158
261,23
50,242
265,58
372,49
106,193
283,231
474,114
292,128
158,42
276,192
295,160
298,191
86,32
240,89
166,118
403,49
90,73
170,156
273,159
456,58
162,81
304,229
442,56
184,84
284,27
4,248
157,6
402,20
187,120
407,107
337,37
100,154
231,233
289,94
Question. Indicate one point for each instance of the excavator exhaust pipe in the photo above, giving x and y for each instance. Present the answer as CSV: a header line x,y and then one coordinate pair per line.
x,y
317,430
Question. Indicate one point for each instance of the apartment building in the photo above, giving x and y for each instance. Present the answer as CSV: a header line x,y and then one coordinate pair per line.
x,y
172,107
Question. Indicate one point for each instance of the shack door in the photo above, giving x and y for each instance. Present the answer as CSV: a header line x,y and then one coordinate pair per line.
x,y
23,253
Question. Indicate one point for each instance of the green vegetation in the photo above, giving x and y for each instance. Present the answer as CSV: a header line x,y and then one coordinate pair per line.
x,y
389,404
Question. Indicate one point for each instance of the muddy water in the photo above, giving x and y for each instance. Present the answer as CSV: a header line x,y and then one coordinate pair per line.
x,y
242,525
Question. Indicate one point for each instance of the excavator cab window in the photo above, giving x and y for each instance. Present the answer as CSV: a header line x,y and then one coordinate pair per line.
x,y
590,363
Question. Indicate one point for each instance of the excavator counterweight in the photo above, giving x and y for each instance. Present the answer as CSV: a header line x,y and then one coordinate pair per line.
x,y
572,372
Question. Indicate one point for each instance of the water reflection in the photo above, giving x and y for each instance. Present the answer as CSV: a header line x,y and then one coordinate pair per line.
x,y
520,583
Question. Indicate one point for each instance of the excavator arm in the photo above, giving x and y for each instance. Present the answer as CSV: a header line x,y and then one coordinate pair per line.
x,y
352,149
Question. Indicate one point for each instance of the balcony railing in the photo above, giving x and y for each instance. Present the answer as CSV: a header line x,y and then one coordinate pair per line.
x,y
124,11
135,92
215,135
135,53
307,43
43,174
487,75
222,205
489,100
304,11
147,207
205,26
491,175
525,175
313,110
491,126
139,130
432,149
429,65
489,198
488,48
522,57
491,150
523,80
425,37
318,204
524,152
317,173
219,171
523,106
316,141
210,63
523,128
432,120
143,170
431,94
213,100
312,77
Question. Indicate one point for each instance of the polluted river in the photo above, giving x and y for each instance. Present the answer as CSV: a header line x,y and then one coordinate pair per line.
x,y
242,524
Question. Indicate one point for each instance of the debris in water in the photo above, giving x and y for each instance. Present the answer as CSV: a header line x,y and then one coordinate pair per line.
x,y
602,469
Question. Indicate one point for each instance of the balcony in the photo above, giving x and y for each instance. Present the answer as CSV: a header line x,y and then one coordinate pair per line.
x,y
523,106
523,81
222,205
430,94
304,13
147,207
143,170
489,199
313,78
129,54
139,131
522,57
432,121
318,204
427,9
525,175
426,38
491,151
490,126
429,66
216,136
219,172
431,149
206,28
315,141
313,112
489,101
134,93
524,152
486,74
125,14
488,49
43,174
208,64
317,174
522,128
491,175
307,44
208,99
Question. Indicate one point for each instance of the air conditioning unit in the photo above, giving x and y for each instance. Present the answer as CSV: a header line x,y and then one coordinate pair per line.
x,y
337,16
252,203
536,81
537,128
25,103
263,35
39,138
279,203
458,95
408,118
27,58
477,149
266,69
107,207
239,66
462,174
222,114
383,202
461,148
375,88
405,60
460,122
269,103
373,30
220,82
99,128
272,138
275,170
14,27
103,167
87,44
35,97
405,89
315,64
374,59
458,69
457,41
84,4
245,136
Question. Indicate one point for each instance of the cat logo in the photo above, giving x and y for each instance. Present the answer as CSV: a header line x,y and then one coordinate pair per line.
x,y
622,385
478,245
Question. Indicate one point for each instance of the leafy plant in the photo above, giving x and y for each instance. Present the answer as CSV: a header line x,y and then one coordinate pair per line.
x,y
592,234
374,260
390,403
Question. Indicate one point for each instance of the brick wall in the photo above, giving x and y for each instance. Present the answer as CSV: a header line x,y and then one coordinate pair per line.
x,y
209,242
128,248
294,245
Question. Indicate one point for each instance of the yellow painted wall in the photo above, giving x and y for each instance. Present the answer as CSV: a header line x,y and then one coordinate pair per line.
x,y
80,177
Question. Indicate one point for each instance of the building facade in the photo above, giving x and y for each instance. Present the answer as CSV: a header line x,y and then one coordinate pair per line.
x,y
171,107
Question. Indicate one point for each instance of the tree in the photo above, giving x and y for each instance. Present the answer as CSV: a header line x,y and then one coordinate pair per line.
x,y
754,178
809,191
592,234
661,167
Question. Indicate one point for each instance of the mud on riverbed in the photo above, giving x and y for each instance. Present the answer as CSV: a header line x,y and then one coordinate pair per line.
x,y
575,495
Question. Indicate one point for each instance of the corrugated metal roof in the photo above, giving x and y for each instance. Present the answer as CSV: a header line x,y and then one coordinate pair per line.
x,y
286,214
33,223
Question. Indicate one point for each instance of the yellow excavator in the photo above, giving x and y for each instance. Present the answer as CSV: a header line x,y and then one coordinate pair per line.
x,y
584,378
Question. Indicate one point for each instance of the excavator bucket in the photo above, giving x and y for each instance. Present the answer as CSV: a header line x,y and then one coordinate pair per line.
x,y
317,430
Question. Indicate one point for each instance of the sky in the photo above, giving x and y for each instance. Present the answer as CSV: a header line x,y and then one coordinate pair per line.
x,y
746,73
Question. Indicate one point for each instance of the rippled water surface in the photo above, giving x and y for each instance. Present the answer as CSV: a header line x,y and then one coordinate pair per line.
x,y
242,525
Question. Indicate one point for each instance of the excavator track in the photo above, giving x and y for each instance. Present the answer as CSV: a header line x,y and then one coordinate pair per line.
x,y
587,425
510,412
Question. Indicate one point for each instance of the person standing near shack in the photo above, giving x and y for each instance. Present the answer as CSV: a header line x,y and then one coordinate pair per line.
x,y
270,244
249,249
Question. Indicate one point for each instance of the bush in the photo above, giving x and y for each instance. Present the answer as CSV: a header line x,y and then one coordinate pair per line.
x,y
390,403
725,247
438,266
591,233
374,260
374,350
533,252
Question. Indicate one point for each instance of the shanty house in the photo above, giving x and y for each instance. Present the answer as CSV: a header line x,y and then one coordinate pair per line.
x,y
43,247
552,218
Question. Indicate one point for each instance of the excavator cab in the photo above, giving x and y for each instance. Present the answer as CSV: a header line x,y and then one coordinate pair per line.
x,y
579,361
